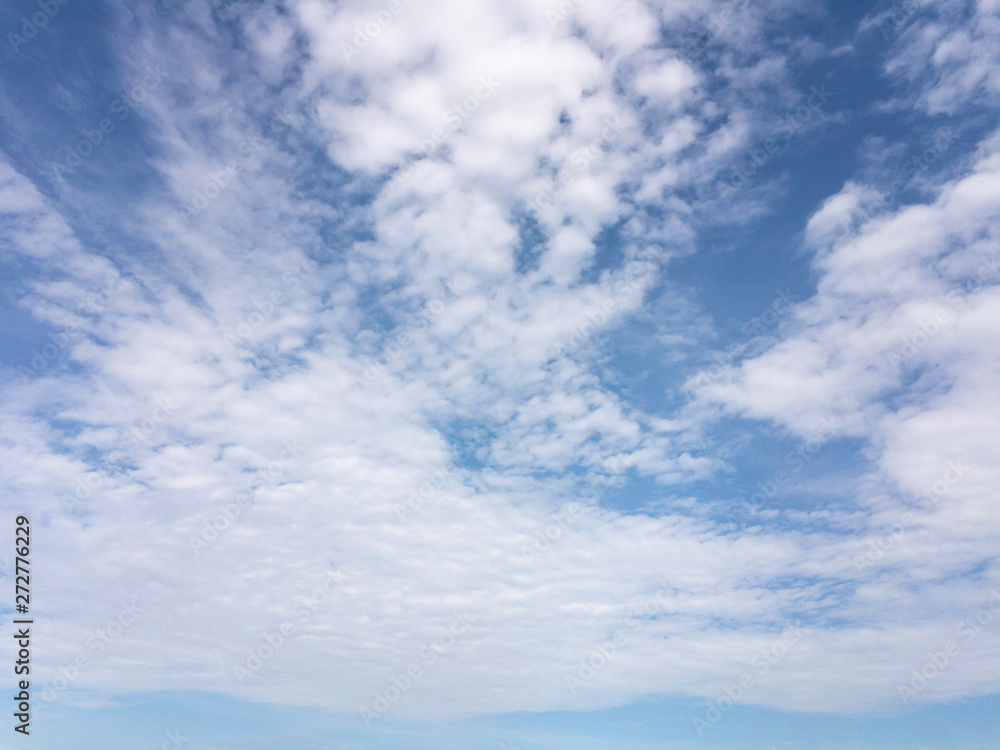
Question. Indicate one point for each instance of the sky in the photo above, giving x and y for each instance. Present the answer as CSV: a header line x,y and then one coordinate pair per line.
x,y
521,375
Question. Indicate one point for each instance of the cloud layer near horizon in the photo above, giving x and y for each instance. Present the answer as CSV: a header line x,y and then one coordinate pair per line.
x,y
356,306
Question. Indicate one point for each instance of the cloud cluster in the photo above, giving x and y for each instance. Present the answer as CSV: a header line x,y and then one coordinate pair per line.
x,y
257,315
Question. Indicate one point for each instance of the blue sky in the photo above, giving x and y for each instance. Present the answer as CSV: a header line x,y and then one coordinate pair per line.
x,y
504,374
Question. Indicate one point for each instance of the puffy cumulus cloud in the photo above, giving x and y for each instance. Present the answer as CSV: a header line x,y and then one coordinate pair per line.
x,y
891,293
360,333
890,349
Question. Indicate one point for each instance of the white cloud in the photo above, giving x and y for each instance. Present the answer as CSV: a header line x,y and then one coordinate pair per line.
x,y
505,341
